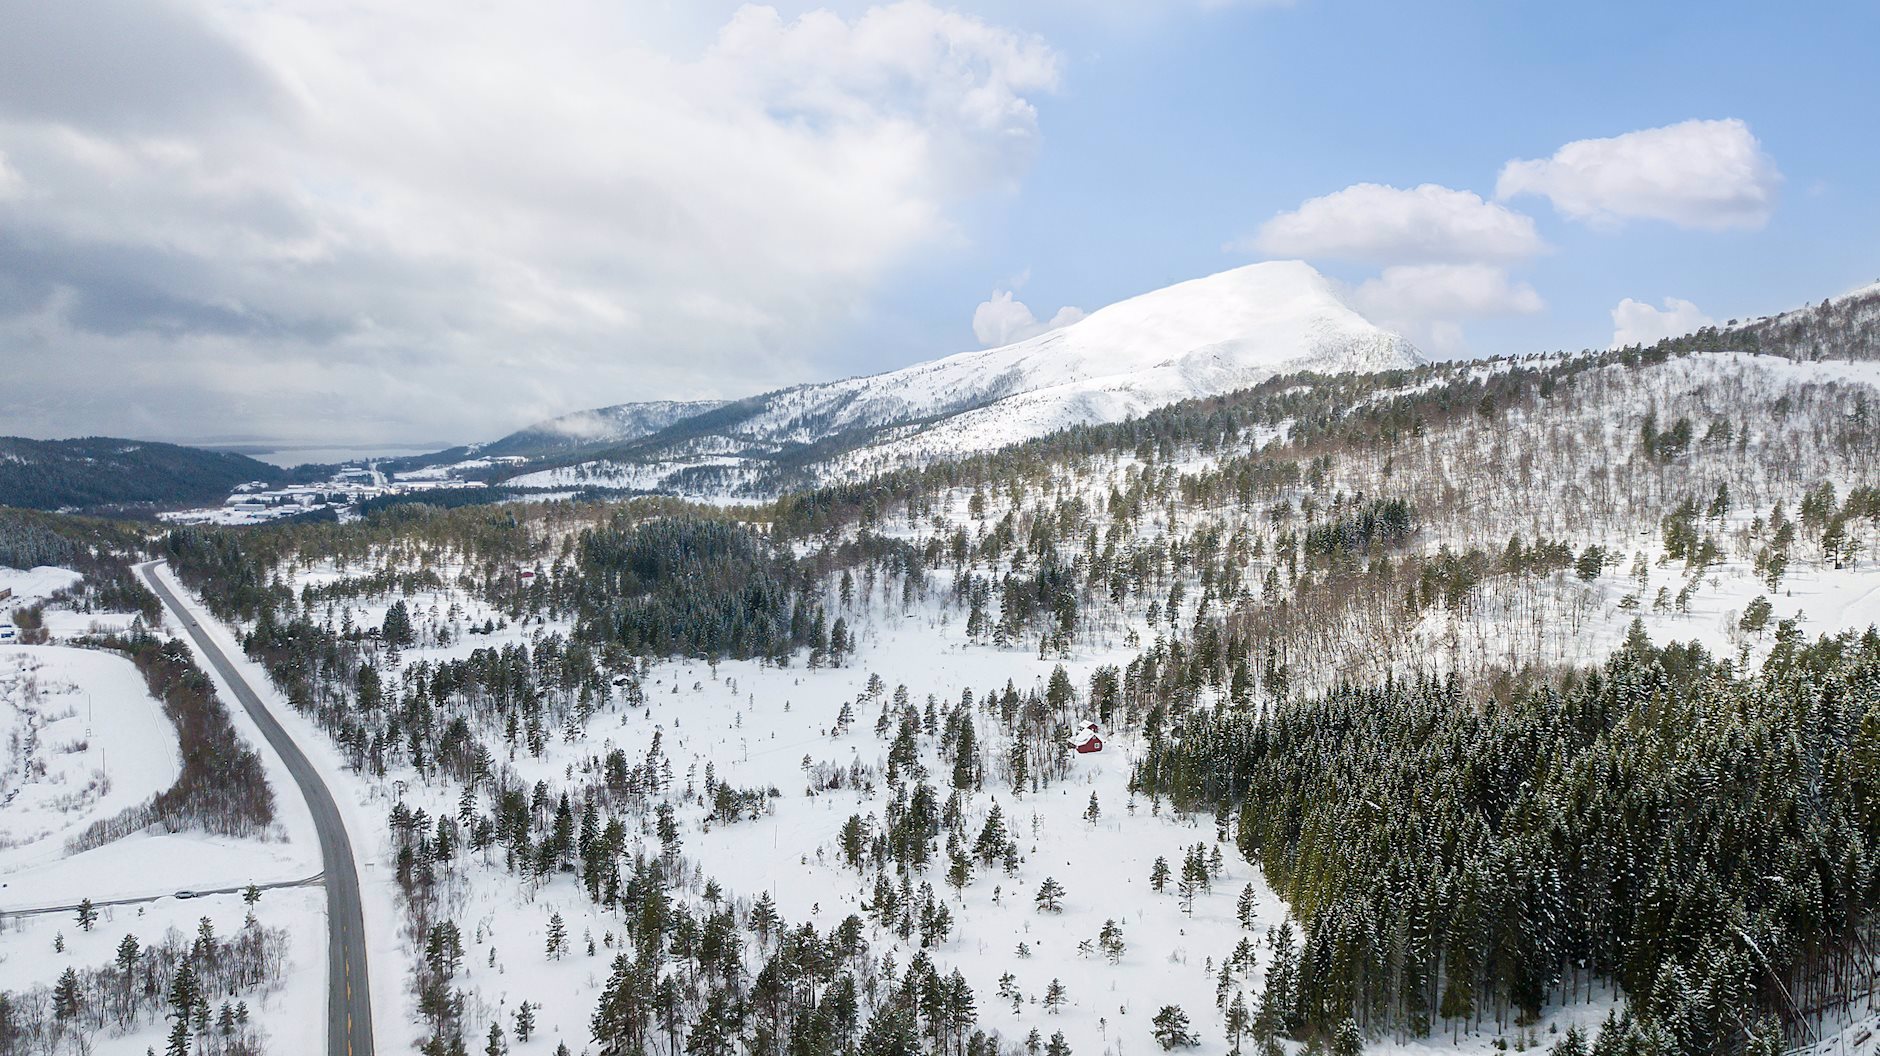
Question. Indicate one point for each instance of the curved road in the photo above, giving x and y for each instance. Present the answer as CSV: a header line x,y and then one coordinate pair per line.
x,y
349,1001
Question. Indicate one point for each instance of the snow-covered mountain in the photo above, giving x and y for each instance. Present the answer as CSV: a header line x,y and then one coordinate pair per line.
x,y
598,428
1198,338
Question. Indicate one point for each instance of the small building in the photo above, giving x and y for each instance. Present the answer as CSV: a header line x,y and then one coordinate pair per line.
x,y
1085,740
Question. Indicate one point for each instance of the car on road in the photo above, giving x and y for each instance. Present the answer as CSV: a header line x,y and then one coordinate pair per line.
x,y
186,893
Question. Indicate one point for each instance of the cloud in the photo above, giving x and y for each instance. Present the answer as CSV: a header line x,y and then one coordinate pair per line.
x,y
11,183
392,221
140,65
1710,175
1427,302
1376,223
1004,320
1638,323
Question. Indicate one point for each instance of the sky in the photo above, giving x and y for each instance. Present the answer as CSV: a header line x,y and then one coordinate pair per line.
x,y
326,222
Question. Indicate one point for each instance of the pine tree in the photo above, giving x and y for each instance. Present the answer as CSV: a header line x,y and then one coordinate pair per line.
x,y
1054,996
992,837
1171,1028
557,936
396,630
525,1021
1110,939
959,869
66,996
1158,875
1008,991
1238,1021
764,917
1279,999
87,915
1050,896
1573,1044
1347,1040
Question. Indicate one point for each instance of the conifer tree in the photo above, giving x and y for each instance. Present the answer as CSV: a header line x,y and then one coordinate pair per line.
x,y
1171,1028
1050,896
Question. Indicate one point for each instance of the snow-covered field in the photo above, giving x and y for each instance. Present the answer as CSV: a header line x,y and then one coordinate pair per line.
x,y
85,740
36,949
752,726
36,584
1570,474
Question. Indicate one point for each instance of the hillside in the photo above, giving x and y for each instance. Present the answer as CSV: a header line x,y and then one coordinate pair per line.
x,y
597,429
105,473
1198,338
1390,669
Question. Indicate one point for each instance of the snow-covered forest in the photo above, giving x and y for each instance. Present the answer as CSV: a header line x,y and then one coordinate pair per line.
x,y
1516,704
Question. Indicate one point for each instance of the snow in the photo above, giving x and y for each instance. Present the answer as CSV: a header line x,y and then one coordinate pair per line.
x,y
616,424
85,741
754,725
288,1013
1202,337
53,699
35,584
1197,338
149,864
362,806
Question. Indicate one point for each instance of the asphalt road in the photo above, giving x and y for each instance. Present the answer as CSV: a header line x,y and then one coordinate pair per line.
x,y
349,1000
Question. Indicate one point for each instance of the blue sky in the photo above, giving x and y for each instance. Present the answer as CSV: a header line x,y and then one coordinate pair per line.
x,y
1185,131
314,221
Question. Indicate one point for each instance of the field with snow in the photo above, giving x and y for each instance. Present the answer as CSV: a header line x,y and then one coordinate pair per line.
x,y
282,1016
752,726
85,742
1509,534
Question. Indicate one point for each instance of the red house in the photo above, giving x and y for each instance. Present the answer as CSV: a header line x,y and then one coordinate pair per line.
x,y
1086,740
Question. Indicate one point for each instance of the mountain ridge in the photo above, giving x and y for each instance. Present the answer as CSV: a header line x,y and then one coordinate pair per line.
x,y
1199,337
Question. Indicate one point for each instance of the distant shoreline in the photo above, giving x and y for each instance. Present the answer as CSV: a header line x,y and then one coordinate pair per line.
x,y
289,455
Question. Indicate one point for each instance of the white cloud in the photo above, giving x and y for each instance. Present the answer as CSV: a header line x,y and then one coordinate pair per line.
x,y
432,225
1427,302
1377,223
12,185
1638,323
1701,174
1004,319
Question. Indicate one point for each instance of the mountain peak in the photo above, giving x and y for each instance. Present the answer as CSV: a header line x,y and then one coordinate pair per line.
x,y
1203,337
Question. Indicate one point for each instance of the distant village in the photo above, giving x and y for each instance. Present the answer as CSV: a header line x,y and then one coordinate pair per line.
x,y
258,502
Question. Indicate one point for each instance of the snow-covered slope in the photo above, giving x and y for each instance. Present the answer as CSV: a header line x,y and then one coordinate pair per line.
x,y
1195,338
600,427
1198,338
